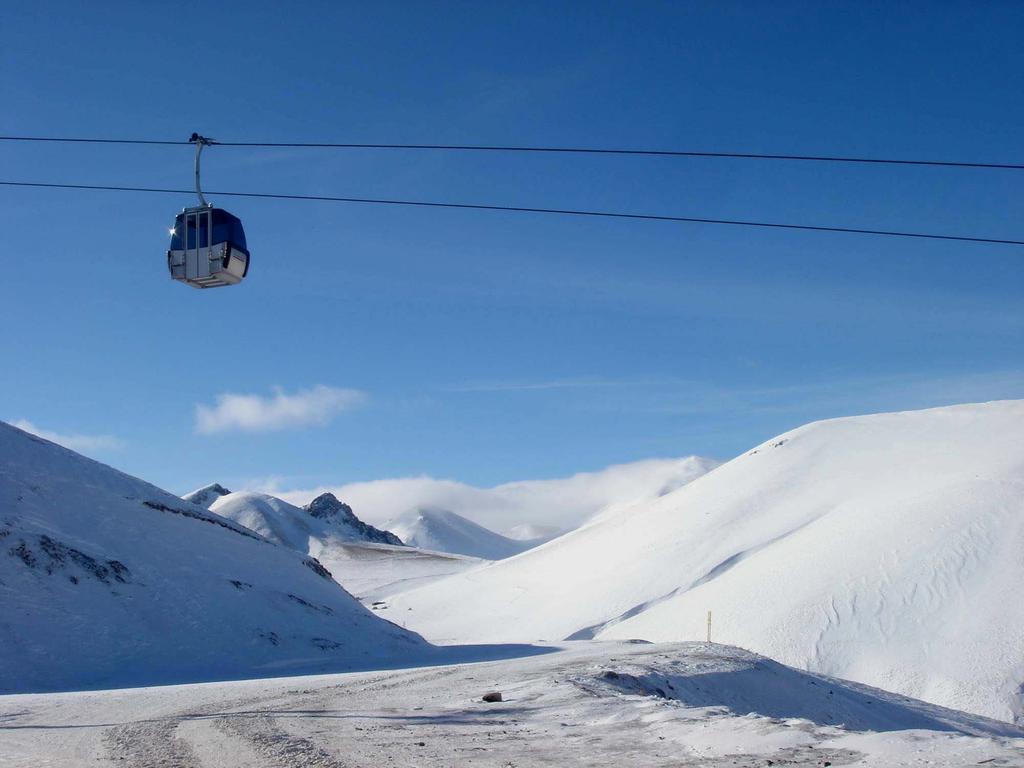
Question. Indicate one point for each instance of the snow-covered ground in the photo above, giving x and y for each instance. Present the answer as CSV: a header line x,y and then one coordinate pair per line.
x,y
593,704
885,549
106,580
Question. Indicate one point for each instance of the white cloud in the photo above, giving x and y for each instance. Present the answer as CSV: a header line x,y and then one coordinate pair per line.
x,y
563,503
314,407
80,443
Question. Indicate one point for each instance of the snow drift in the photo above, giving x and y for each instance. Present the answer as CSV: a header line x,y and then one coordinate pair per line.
x,y
885,549
108,581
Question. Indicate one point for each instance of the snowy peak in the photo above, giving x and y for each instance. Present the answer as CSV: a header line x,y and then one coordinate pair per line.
x,y
326,507
206,495
442,530
270,517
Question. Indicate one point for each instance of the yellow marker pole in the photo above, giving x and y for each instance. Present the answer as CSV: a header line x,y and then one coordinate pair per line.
x,y
709,626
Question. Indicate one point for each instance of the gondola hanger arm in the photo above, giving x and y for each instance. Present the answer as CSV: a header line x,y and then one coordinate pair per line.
x,y
200,142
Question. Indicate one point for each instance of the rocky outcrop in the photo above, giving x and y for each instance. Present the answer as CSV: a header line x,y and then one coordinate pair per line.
x,y
326,507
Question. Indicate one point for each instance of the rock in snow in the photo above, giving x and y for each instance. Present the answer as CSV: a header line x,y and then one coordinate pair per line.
x,y
108,581
884,549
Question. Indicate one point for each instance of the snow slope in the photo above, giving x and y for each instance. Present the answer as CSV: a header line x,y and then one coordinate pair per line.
x,y
592,705
106,580
374,571
444,531
364,560
887,549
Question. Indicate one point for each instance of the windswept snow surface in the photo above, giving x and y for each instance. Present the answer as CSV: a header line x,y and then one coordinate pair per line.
x,y
592,704
445,531
106,580
366,568
887,549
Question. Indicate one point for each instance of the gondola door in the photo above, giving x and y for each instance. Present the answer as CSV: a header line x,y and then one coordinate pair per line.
x,y
198,227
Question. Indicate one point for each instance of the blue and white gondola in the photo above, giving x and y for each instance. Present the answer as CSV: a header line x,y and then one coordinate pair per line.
x,y
208,248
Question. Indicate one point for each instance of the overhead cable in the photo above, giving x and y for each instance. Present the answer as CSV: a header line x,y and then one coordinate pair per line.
x,y
528,209
540,150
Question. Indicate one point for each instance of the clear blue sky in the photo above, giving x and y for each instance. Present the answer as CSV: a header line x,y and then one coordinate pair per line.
x,y
489,346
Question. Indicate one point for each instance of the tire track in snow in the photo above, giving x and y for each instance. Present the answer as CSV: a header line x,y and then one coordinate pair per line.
x,y
279,747
149,744
156,743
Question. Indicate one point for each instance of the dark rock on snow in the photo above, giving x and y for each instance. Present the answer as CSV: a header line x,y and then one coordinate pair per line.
x,y
327,507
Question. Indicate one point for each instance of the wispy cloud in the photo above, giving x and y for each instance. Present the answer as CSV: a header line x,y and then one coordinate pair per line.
x,y
314,407
524,386
81,443
844,396
561,503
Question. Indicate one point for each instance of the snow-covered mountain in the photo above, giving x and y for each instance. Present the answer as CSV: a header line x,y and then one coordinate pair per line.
x,y
323,519
106,580
441,530
886,549
206,495
363,559
327,508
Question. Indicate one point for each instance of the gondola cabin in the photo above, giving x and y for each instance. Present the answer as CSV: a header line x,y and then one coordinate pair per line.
x,y
208,248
